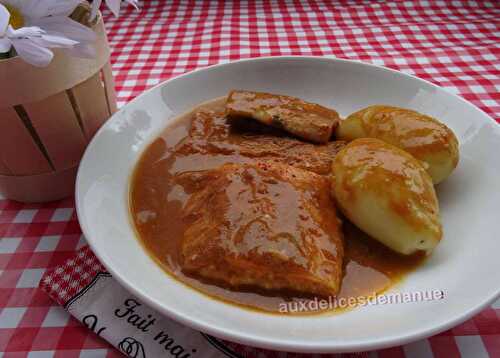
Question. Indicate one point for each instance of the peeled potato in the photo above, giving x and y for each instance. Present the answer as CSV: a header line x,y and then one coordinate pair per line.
x,y
388,194
424,137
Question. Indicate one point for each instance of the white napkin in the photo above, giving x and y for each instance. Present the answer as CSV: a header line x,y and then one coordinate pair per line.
x,y
135,329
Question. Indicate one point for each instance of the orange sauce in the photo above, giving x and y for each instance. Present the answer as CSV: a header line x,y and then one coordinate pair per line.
x,y
369,267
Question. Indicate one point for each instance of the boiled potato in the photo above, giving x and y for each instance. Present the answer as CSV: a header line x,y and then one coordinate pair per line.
x,y
422,136
388,194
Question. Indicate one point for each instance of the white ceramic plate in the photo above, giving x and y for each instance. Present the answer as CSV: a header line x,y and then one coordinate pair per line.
x,y
466,265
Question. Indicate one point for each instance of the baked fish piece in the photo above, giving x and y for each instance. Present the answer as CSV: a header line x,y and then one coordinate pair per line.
x,y
212,133
270,226
305,120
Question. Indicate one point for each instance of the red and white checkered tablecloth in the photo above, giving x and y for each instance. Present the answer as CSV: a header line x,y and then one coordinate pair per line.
x,y
455,44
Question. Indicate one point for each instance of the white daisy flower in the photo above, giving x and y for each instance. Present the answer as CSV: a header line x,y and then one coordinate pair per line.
x,y
113,5
33,27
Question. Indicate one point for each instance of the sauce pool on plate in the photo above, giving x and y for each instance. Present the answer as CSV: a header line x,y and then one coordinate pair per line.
x,y
202,139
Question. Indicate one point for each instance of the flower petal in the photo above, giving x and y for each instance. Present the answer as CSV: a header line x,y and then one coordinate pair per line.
x,y
4,19
63,7
95,8
114,6
134,3
13,3
23,32
62,25
54,41
34,9
32,53
5,45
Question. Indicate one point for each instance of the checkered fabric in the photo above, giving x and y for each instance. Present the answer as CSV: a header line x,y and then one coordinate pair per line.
x,y
65,281
453,44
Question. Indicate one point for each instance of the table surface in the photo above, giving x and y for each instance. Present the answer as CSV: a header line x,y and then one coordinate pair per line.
x,y
453,44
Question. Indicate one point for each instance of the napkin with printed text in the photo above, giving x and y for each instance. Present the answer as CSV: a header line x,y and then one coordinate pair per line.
x,y
89,293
